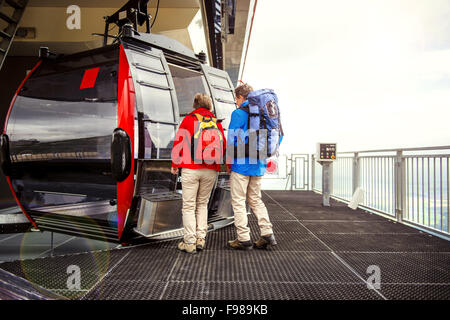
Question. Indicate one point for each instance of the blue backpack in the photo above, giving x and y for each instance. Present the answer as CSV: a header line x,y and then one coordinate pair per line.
x,y
263,123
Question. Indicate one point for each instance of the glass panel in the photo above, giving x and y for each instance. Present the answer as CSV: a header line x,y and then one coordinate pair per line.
x,y
155,177
187,84
222,94
49,130
148,61
157,104
158,140
224,111
61,156
68,63
152,78
218,80
65,86
60,137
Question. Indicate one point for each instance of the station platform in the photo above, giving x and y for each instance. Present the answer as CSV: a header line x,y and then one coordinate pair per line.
x,y
323,253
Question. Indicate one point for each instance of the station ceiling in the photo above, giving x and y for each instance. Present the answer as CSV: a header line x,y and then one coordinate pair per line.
x,y
47,22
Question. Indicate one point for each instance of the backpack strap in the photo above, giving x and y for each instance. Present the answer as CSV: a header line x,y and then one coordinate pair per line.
x,y
245,108
198,116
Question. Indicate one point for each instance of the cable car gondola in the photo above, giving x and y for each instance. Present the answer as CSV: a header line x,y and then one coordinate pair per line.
x,y
87,141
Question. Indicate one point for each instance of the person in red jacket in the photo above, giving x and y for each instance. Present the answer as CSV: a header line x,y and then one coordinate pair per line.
x,y
198,148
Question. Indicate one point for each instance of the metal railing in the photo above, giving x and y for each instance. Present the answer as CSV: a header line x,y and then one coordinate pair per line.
x,y
409,185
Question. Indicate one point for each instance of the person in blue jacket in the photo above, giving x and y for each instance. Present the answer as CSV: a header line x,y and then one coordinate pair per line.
x,y
245,181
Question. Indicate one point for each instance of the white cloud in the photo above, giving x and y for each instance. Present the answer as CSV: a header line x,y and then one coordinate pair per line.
x,y
367,74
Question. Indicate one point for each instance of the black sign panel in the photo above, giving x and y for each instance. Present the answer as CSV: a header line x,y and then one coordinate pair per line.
x,y
327,151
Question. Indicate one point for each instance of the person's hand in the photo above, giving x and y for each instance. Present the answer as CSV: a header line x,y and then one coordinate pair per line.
x,y
228,169
174,170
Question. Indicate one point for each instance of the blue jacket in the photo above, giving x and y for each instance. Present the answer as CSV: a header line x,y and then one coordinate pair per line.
x,y
239,120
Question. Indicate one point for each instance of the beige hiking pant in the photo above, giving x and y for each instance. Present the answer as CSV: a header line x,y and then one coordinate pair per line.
x,y
243,187
197,185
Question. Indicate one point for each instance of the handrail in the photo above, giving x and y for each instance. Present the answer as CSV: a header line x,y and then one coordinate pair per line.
x,y
398,149
413,189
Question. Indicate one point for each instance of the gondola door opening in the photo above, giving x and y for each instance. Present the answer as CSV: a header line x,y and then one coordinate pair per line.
x,y
187,84
158,118
222,94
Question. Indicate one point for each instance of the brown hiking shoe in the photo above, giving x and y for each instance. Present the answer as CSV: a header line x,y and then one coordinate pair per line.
x,y
200,245
238,245
265,241
189,248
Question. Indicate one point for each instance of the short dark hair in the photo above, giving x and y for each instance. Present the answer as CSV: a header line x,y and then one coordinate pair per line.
x,y
243,90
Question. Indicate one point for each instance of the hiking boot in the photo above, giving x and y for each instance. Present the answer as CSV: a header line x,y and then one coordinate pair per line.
x,y
265,241
200,245
238,245
186,247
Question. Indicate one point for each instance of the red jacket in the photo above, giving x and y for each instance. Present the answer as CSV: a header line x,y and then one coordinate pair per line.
x,y
183,138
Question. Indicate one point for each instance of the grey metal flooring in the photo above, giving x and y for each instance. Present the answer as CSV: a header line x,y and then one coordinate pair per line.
x,y
322,253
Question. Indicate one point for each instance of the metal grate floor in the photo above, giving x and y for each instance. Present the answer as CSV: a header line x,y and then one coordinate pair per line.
x,y
322,253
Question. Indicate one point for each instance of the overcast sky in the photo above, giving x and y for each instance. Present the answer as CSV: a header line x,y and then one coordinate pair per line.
x,y
367,74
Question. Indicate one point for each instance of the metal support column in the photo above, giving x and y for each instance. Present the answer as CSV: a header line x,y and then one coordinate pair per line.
x,y
327,182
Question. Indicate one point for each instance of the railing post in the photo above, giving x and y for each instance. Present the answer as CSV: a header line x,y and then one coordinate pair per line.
x,y
293,171
355,173
313,172
307,172
399,186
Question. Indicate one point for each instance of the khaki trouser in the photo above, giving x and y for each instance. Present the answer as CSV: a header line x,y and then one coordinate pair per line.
x,y
243,187
197,185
